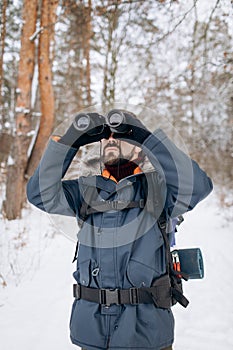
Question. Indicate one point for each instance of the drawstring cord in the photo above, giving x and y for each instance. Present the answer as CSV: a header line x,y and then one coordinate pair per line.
x,y
100,154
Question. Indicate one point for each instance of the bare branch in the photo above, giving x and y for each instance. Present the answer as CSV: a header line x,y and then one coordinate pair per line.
x,y
178,23
208,25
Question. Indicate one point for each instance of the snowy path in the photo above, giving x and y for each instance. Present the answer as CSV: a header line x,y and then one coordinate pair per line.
x,y
35,315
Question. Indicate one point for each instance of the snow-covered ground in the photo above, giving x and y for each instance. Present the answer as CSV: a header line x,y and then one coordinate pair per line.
x,y
35,305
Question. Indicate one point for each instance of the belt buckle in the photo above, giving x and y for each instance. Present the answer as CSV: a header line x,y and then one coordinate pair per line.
x,y
109,296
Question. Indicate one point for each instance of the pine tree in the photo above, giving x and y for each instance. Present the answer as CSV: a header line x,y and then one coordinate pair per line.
x,y
15,173
22,163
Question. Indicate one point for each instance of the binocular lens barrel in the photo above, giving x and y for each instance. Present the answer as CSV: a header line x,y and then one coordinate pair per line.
x,y
115,119
82,122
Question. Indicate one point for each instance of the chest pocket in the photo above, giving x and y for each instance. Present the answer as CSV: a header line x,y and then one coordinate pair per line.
x,y
87,273
82,274
140,275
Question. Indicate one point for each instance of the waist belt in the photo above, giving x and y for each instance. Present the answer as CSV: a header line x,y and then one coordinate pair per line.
x,y
159,294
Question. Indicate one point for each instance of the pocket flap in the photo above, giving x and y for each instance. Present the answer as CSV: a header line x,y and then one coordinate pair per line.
x,y
84,272
140,275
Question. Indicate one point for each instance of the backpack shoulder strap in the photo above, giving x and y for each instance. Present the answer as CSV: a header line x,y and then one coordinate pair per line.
x,y
89,194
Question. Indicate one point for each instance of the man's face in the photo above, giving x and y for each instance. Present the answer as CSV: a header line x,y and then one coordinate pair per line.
x,y
114,149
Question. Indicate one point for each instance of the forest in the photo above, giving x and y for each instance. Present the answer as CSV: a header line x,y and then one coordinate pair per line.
x,y
172,58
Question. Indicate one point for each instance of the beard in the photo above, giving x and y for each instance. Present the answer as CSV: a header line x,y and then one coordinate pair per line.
x,y
116,157
111,158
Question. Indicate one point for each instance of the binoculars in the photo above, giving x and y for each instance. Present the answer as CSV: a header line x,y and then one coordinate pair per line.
x,y
115,120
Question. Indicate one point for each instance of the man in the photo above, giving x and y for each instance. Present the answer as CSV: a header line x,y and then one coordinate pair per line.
x,y
122,295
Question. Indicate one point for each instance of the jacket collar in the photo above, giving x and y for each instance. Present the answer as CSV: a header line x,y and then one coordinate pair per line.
x,y
106,173
101,181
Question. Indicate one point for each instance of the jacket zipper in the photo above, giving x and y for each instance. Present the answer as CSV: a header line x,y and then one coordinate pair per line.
x,y
108,343
109,323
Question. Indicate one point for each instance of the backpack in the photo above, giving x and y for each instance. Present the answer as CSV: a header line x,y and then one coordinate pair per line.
x,y
173,276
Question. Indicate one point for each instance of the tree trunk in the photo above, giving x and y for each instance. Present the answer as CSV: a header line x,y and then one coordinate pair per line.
x,y
15,193
87,48
45,84
112,53
5,145
2,47
52,21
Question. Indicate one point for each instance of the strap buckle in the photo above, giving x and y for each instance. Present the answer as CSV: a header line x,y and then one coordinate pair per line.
x,y
117,205
141,203
133,296
113,205
77,291
109,296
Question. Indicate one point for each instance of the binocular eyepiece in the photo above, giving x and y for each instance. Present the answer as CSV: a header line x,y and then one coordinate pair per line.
x,y
115,119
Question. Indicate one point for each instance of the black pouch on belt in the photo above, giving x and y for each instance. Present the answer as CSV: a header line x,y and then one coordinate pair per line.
x,y
161,292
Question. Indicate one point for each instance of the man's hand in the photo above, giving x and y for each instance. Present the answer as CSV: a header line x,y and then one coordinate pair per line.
x,y
97,131
137,131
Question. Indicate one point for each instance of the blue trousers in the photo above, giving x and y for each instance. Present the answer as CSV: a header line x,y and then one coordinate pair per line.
x,y
168,348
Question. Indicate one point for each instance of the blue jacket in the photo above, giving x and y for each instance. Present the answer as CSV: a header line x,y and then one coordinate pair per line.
x,y
121,249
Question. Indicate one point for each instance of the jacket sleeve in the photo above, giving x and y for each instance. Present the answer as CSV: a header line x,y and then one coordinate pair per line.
x,y
46,190
186,183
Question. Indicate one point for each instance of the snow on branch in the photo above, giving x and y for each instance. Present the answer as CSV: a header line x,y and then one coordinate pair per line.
x,y
22,110
34,35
